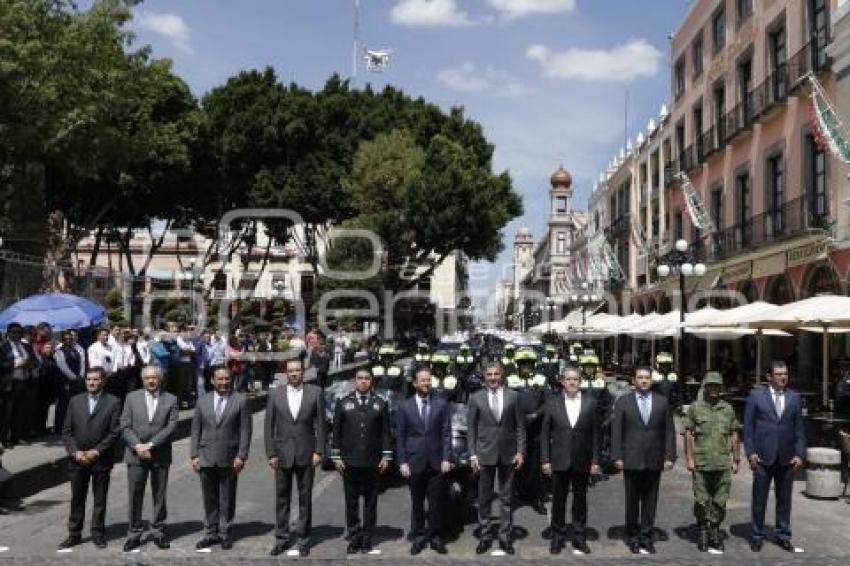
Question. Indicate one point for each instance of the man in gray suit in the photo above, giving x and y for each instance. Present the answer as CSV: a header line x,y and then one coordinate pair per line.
x,y
221,437
496,430
295,439
147,426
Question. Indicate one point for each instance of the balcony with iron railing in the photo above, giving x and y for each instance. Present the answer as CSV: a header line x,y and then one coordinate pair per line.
x,y
618,226
788,220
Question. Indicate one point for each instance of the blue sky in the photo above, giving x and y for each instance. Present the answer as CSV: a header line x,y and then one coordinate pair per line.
x,y
546,78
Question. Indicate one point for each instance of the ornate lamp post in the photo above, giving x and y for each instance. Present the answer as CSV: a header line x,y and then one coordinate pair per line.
x,y
683,262
550,305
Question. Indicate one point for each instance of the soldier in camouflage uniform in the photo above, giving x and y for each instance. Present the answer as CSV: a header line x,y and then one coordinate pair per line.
x,y
712,448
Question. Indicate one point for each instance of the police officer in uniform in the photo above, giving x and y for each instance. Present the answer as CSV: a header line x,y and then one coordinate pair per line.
x,y
423,354
531,394
576,350
593,383
386,373
550,367
664,379
464,369
361,451
712,449
443,382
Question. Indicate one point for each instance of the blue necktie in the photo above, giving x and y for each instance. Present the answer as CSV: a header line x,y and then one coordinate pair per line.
x,y
644,408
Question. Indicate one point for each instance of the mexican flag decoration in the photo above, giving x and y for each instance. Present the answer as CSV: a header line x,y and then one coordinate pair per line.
x,y
827,128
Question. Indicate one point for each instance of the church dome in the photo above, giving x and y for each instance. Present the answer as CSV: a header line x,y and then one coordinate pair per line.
x,y
561,178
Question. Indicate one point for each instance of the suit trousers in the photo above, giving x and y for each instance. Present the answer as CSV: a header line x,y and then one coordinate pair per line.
x,y
137,479
783,480
428,485
81,476
562,481
361,481
486,495
23,405
219,490
5,416
641,503
283,484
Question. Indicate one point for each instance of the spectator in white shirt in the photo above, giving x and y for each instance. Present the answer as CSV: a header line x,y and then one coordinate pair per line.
x,y
101,355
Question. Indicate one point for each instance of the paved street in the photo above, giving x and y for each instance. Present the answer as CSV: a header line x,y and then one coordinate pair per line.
x,y
819,527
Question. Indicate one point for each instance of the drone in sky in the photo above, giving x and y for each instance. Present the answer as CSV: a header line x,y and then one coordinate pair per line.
x,y
377,60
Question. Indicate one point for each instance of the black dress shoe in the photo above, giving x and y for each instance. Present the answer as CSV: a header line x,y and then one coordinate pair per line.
x,y
131,544
70,542
226,543
555,546
634,548
483,546
207,542
756,544
366,545
649,547
162,543
785,544
539,508
507,548
581,546
439,547
99,541
416,548
303,550
353,546
278,548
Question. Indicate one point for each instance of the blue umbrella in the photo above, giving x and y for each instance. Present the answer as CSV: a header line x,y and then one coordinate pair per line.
x,y
60,310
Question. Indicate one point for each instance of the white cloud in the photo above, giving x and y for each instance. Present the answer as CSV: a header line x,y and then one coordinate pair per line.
x,y
623,63
469,78
429,13
170,26
511,9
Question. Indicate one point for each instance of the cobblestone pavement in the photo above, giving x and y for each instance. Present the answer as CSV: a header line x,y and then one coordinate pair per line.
x,y
32,535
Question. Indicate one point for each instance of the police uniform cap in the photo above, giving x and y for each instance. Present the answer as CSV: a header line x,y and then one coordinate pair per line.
x,y
713,378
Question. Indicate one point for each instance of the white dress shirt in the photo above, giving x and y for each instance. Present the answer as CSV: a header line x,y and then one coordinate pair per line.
x,y
93,399
778,398
293,399
103,357
573,405
151,402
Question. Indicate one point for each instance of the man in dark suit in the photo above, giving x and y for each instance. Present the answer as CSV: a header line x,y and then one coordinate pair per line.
x,y
569,445
361,450
643,442
496,432
221,437
424,454
18,364
90,430
147,425
295,439
775,442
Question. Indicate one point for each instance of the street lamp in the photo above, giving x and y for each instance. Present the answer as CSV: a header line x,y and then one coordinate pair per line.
x,y
680,260
550,304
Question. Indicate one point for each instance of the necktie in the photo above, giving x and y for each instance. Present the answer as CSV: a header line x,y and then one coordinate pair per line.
x,y
151,407
778,401
362,400
644,409
495,407
219,409
92,404
424,411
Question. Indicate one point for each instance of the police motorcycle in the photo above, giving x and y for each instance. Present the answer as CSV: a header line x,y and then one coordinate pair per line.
x,y
390,383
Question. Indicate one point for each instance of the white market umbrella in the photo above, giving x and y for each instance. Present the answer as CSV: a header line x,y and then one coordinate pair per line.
x,y
826,312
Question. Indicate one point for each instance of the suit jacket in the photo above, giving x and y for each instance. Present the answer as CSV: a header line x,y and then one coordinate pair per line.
x,y
361,434
7,363
567,447
776,440
643,446
424,445
136,429
98,430
294,440
491,441
216,444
